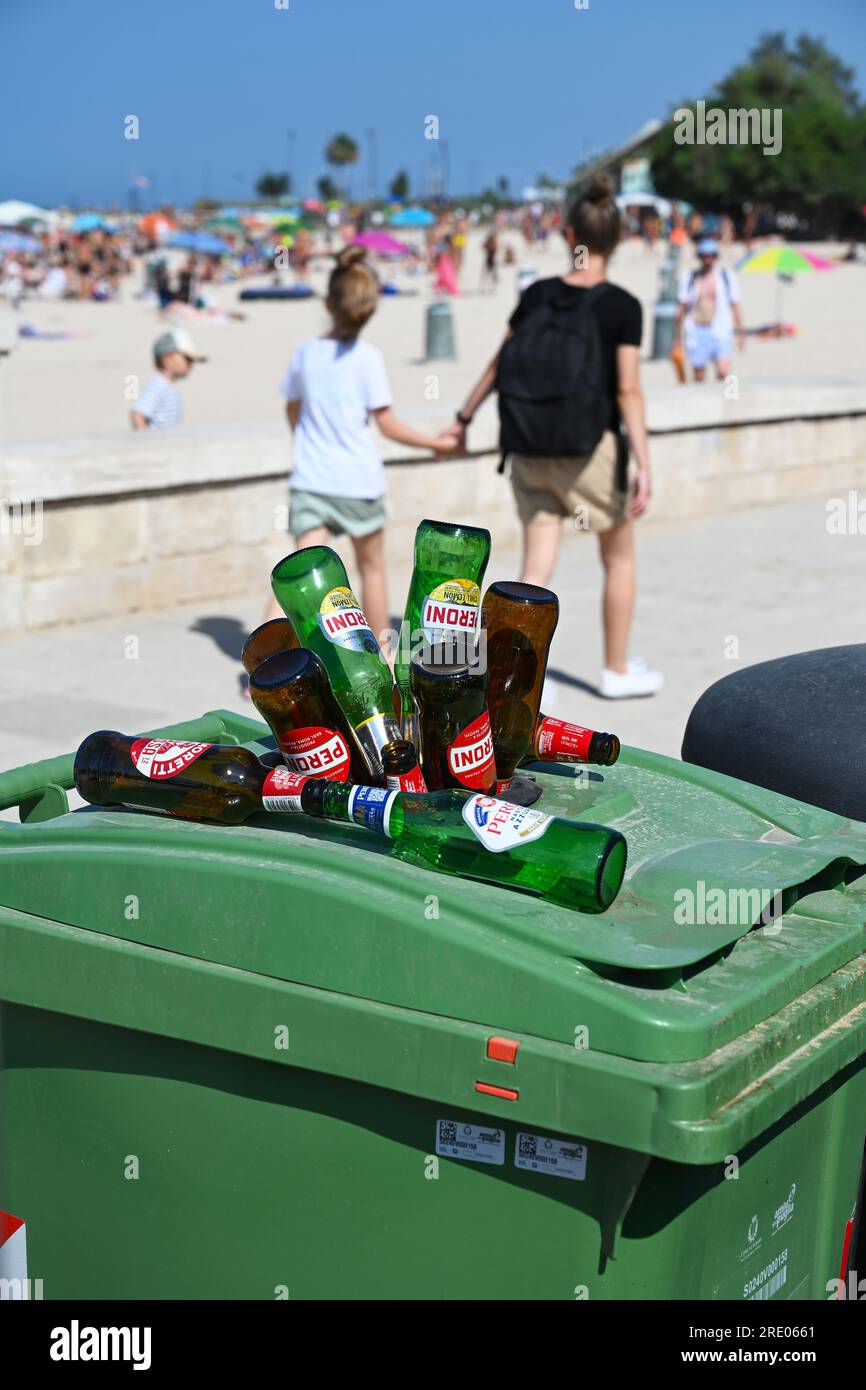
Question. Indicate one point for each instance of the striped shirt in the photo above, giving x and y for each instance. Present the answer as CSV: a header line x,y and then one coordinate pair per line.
x,y
159,403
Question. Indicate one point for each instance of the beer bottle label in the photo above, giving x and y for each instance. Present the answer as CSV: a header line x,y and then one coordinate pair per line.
x,y
500,825
407,781
316,752
556,738
470,756
371,807
451,610
282,790
342,621
158,758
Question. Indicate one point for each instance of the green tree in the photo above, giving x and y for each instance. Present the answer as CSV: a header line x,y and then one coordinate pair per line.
x,y
818,170
400,185
342,151
272,185
327,188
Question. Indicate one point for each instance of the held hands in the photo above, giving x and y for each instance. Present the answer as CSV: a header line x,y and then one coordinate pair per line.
x,y
451,441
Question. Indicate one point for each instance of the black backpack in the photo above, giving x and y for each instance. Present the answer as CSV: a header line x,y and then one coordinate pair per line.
x,y
553,396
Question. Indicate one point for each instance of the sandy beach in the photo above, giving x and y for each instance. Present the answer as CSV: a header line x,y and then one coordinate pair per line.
x,y
81,385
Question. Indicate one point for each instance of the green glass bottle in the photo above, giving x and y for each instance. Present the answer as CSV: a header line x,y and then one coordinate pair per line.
x,y
576,865
443,601
312,587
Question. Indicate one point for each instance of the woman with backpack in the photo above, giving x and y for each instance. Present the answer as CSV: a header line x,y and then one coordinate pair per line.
x,y
568,378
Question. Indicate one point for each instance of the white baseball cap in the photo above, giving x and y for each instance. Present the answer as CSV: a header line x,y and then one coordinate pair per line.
x,y
177,340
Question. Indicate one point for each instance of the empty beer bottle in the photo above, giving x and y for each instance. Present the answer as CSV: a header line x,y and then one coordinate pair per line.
x,y
312,587
518,622
278,635
292,692
443,599
558,741
473,836
194,781
456,742
402,769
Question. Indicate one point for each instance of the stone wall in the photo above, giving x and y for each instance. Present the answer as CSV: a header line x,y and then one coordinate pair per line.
x,y
95,527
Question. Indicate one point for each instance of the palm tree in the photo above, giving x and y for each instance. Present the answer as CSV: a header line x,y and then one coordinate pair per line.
x,y
341,150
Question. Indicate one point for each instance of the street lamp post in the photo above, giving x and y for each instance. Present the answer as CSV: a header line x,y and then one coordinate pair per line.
x,y
290,147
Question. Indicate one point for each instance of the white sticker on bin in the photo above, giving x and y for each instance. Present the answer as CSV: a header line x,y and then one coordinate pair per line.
x,y
561,1158
477,1143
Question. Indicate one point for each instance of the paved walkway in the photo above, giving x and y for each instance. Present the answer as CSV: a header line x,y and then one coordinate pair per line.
x,y
714,595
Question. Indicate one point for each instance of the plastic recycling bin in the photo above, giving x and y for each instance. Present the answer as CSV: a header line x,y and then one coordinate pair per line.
x,y
272,1061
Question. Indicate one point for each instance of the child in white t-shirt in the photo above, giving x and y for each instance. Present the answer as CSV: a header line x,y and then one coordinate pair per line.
x,y
333,387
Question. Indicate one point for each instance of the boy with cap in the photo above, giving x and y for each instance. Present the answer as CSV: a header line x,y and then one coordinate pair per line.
x,y
159,406
709,308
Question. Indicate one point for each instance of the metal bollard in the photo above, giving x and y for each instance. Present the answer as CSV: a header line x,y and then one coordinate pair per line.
x,y
439,345
665,310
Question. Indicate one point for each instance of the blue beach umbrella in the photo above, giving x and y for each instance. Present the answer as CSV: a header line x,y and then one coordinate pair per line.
x,y
201,243
412,217
18,243
90,222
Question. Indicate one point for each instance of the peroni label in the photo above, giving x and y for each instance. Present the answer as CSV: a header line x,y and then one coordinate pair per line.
x,y
500,825
451,610
342,621
316,752
470,756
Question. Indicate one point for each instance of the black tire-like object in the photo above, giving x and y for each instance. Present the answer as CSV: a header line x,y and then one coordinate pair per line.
x,y
796,725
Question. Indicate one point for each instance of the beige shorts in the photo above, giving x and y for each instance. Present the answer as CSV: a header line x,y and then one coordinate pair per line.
x,y
584,489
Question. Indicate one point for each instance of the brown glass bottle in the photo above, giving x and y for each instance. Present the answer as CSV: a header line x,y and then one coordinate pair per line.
x,y
195,781
292,692
558,741
517,624
456,741
402,768
272,637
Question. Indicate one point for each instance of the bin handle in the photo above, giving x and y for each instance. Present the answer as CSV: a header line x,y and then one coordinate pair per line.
x,y
38,790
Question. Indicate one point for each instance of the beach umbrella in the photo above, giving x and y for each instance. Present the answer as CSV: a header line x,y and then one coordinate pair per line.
x,y
156,225
13,212
90,222
382,244
200,243
18,243
413,217
313,205
784,262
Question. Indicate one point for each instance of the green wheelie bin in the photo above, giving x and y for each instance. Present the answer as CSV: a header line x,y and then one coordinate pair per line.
x,y
271,1061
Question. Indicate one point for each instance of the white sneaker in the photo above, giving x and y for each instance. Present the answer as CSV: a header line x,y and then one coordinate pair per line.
x,y
627,685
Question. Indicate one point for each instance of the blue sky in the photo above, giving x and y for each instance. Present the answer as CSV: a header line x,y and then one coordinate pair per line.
x,y
518,86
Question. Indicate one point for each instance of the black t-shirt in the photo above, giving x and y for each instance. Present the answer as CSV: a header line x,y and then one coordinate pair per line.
x,y
618,314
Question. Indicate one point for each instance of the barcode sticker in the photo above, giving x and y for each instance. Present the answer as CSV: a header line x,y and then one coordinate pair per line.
x,y
772,1285
477,1143
561,1158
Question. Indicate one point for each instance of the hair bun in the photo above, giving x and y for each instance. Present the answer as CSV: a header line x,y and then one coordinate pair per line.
x,y
351,255
600,189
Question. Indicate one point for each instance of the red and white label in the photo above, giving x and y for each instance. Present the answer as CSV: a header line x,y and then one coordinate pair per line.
x,y
158,758
316,752
470,756
282,790
13,1258
558,741
412,781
